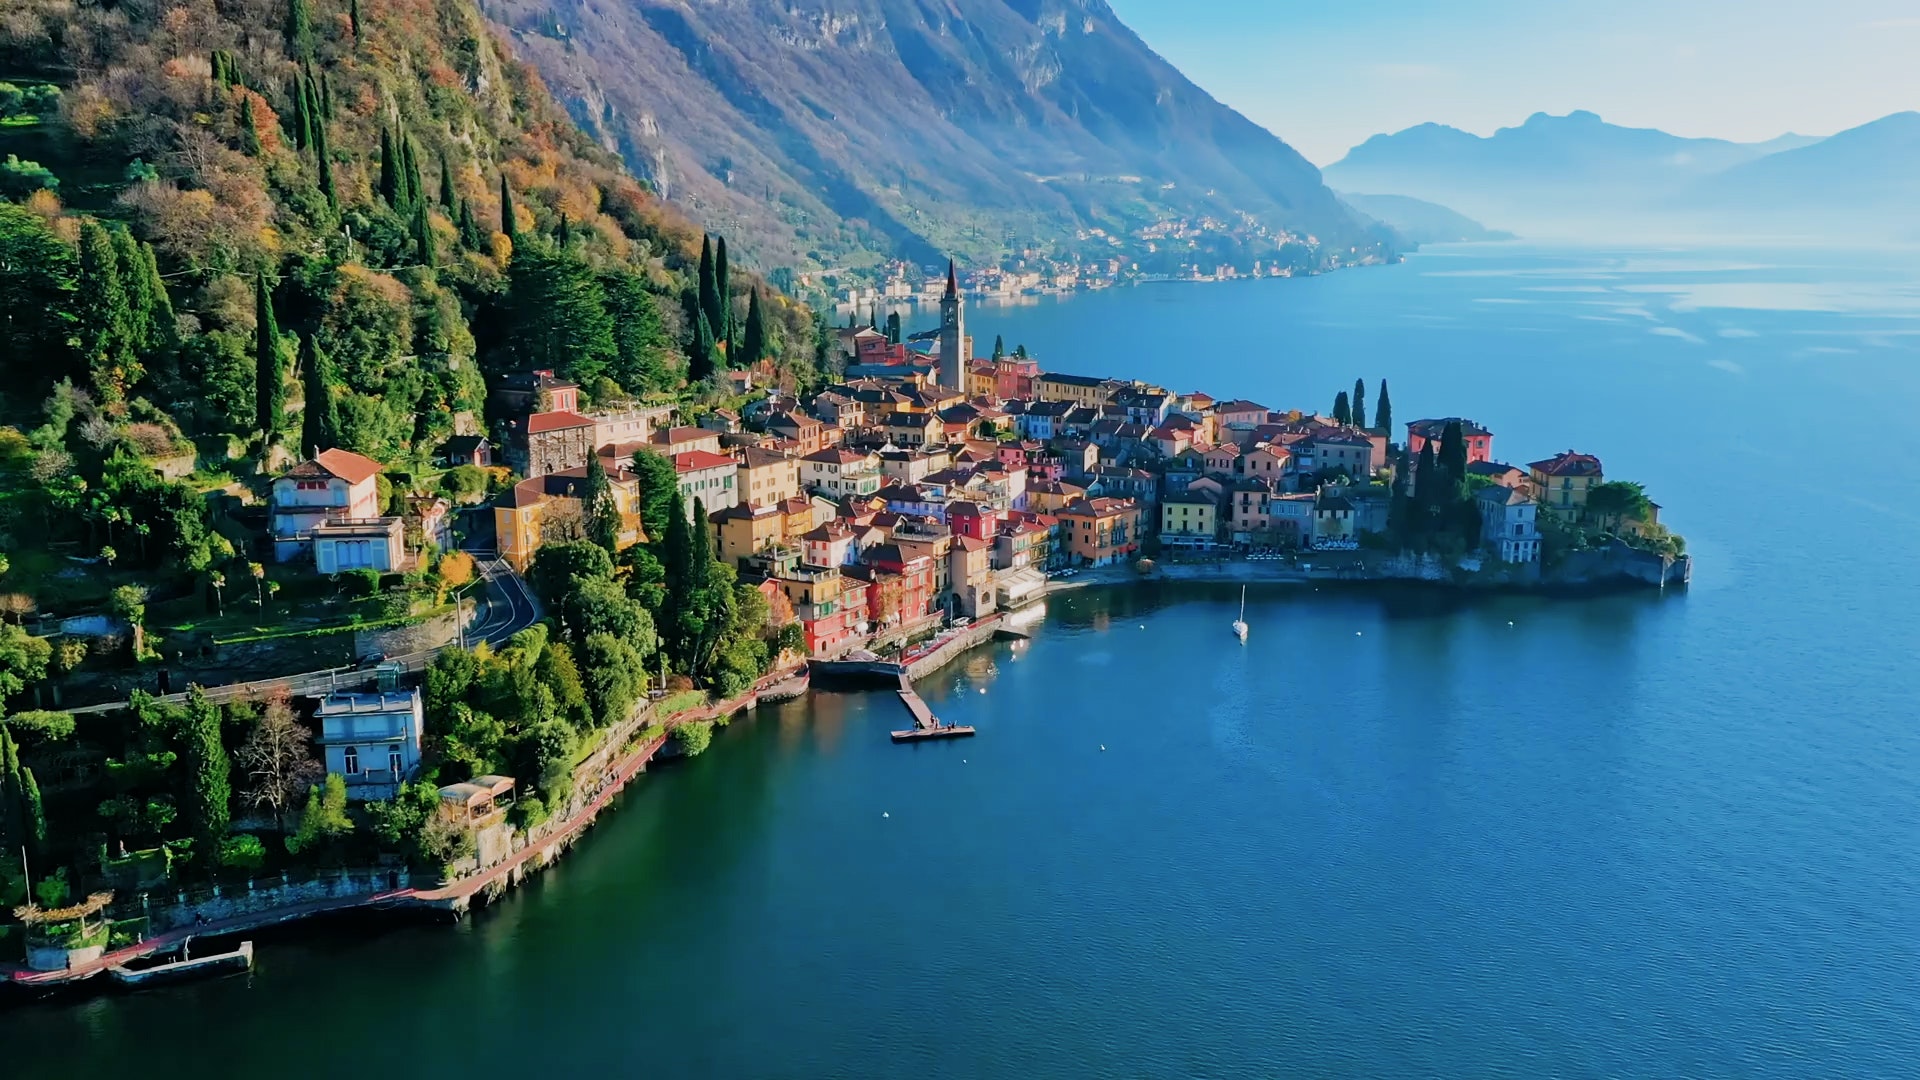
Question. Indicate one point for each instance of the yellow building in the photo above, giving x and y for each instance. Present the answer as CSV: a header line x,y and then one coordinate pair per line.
x,y
743,531
549,507
1079,389
1190,519
1562,481
1099,532
767,477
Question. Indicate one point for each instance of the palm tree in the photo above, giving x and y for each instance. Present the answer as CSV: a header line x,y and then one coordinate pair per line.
x,y
259,573
219,581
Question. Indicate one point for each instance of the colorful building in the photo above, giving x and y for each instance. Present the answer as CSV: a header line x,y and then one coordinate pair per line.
x,y
1479,439
1100,532
1562,481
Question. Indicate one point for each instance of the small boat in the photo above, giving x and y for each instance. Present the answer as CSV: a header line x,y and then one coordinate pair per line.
x,y
1240,624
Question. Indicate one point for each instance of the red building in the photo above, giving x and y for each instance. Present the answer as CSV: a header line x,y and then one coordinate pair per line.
x,y
1479,439
1013,377
973,519
906,599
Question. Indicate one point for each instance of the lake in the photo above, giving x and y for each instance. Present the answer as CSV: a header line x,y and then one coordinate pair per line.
x,y
1397,833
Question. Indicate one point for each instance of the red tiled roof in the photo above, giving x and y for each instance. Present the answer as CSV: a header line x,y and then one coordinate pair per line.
x,y
1568,464
555,421
343,464
697,460
683,434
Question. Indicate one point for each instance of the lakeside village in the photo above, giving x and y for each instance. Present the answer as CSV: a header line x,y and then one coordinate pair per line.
x,y
679,563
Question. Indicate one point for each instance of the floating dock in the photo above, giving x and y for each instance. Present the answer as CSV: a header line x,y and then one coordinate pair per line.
x,y
925,724
240,959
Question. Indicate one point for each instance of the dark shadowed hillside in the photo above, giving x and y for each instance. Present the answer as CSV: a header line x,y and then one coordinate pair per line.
x,y
817,128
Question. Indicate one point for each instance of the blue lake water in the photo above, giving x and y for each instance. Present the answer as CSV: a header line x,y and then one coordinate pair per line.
x,y
1396,834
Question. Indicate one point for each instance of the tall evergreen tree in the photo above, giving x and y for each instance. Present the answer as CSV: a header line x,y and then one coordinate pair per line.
x,y
326,97
320,423
389,169
1342,412
558,314
410,171
249,130
353,18
723,288
422,229
1426,489
270,385
677,557
299,30
449,196
753,340
1453,453
146,292
1383,412
602,512
712,599
209,791
702,358
999,347
13,816
640,338
709,288
1359,403
299,122
106,322
508,227
323,157
563,233
33,812
893,328
469,229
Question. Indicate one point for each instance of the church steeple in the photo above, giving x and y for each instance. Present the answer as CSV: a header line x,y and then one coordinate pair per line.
x,y
953,334
953,283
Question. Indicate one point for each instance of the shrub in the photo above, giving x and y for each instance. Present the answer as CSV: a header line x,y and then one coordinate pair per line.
x,y
362,582
243,852
695,736
464,483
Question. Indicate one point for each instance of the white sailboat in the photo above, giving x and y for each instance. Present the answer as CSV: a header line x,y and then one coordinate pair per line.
x,y
1240,624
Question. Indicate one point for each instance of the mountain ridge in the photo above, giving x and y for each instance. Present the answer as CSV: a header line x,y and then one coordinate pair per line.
x,y
977,126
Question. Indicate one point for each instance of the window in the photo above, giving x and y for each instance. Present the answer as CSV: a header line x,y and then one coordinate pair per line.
x,y
393,763
351,761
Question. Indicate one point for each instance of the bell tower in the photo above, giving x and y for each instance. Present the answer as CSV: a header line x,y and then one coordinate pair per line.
x,y
953,335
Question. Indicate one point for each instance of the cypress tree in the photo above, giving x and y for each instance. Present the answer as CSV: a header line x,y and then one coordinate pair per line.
x,y
558,313
270,389
326,97
105,322
448,197
300,124
1359,403
677,556
999,347
299,29
603,513
1383,412
563,234
1426,489
142,331
160,329
423,247
469,229
709,288
33,811
389,169
416,190
753,344
507,224
723,287
320,424
700,357
249,133
353,18
1342,412
1453,456
217,61
209,788
13,818
323,154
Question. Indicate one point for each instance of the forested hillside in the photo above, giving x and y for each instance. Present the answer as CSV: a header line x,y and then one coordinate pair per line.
x,y
266,224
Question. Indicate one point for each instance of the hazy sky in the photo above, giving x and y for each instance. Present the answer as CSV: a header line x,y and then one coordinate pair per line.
x,y
1325,74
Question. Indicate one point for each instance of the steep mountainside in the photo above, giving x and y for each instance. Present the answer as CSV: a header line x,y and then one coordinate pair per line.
x,y
1553,167
815,128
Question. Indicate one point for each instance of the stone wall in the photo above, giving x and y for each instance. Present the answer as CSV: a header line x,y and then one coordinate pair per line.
x,y
260,897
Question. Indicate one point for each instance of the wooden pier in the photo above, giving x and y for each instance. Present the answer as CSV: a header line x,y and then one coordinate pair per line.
x,y
925,724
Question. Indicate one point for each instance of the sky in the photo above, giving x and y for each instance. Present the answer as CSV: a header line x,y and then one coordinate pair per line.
x,y
1326,74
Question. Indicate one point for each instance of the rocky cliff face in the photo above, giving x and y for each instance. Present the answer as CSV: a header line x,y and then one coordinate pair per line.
x,y
822,127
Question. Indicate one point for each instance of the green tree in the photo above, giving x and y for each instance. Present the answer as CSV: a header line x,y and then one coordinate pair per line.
x,y
641,343
13,811
353,18
270,383
723,289
602,511
659,494
703,353
559,568
1383,412
508,228
709,285
449,196
1428,486
324,820
614,678
422,230
37,288
601,606
1452,458
558,314
23,659
389,169
106,321
299,30
323,160
1342,411
753,343
149,309
1359,403
209,791
249,127
320,423
1618,501
685,582
999,347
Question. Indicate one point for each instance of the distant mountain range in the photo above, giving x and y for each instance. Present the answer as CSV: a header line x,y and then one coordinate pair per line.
x,y
1422,222
820,132
1562,175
